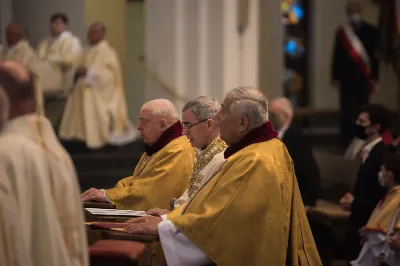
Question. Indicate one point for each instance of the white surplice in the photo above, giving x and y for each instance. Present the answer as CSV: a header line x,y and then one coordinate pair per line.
x,y
178,249
46,188
392,257
59,57
371,250
96,111
13,248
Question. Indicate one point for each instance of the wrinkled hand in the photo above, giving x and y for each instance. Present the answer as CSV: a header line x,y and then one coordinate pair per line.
x,y
346,201
93,194
394,243
148,227
157,212
307,208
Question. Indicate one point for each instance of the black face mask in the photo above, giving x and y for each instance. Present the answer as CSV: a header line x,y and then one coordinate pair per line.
x,y
359,132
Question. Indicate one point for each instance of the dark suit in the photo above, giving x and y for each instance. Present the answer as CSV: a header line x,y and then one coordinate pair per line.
x,y
305,166
367,193
354,86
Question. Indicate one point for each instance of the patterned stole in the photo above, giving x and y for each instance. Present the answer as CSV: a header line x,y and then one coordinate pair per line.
x,y
206,156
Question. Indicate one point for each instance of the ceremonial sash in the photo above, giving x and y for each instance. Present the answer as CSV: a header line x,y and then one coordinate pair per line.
x,y
397,16
357,52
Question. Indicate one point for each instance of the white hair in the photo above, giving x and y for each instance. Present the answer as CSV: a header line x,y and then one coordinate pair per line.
x,y
4,106
285,105
249,102
163,108
203,107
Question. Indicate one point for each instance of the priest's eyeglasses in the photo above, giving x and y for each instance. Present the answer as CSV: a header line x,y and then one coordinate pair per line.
x,y
189,126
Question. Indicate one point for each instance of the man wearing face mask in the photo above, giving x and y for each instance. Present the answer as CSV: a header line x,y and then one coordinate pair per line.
x,y
355,68
371,122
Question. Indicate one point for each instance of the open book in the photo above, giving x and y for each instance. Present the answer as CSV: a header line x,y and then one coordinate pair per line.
x,y
114,212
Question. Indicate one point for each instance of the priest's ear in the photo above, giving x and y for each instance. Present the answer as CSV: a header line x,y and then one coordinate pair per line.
x,y
211,123
244,124
164,124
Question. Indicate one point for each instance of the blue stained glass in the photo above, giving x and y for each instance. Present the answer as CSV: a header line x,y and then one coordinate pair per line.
x,y
291,47
298,11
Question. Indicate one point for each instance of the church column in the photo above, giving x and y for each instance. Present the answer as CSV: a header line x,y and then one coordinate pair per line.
x,y
271,48
5,18
194,48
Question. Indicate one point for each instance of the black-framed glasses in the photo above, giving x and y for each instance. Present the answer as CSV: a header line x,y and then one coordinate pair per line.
x,y
188,127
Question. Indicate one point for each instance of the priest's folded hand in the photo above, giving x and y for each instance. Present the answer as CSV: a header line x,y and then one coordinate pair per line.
x,y
93,194
157,212
149,227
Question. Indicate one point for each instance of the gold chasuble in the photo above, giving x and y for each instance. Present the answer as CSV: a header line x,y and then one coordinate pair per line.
x,y
251,212
162,174
384,213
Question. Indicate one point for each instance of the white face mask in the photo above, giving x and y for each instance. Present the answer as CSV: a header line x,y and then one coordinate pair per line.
x,y
355,18
380,179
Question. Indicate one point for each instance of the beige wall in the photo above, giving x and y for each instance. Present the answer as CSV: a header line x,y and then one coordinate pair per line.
x,y
134,74
34,16
113,14
326,16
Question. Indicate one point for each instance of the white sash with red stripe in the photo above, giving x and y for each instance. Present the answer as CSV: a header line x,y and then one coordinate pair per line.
x,y
357,51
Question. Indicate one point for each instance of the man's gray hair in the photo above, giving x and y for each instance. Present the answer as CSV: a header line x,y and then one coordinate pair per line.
x,y
249,102
203,107
285,105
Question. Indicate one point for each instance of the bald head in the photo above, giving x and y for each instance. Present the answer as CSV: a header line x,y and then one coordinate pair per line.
x,y
281,112
18,84
155,117
96,33
14,34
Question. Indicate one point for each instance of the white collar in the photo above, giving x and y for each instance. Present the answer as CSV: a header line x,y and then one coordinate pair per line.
x,y
367,148
282,131
62,35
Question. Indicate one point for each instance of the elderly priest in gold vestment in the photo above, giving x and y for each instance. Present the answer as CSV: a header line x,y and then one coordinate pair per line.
x,y
201,125
96,111
163,170
251,212
41,177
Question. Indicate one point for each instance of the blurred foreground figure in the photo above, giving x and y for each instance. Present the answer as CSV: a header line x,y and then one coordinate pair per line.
x,y
41,177
250,212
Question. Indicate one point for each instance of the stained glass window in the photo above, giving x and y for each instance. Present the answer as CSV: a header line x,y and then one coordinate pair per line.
x,y
294,20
